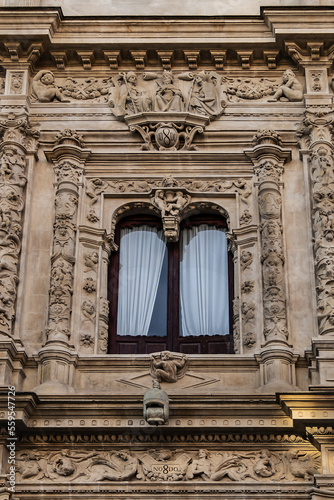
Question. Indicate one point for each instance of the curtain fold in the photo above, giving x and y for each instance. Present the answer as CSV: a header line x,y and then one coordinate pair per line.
x,y
204,281
142,251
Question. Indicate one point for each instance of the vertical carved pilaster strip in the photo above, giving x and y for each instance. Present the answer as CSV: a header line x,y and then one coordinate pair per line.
x,y
57,356
270,209
317,135
268,158
68,177
316,142
17,139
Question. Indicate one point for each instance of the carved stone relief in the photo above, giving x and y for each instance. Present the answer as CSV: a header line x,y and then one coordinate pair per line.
x,y
16,82
290,88
62,268
221,185
15,132
316,133
203,92
173,465
170,203
168,366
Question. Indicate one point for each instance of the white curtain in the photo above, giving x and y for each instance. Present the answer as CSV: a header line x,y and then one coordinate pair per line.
x,y
142,251
204,281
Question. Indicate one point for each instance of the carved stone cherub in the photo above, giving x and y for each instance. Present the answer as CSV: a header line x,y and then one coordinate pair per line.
x,y
44,87
168,367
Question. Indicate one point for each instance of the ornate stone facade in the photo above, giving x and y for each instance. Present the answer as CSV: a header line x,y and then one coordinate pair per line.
x,y
171,121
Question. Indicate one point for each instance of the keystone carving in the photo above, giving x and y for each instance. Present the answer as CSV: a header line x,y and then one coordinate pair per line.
x,y
171,204
168,366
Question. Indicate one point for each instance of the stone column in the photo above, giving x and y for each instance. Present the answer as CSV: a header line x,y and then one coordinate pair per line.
x,y
58,357
276,358
316,140
18,146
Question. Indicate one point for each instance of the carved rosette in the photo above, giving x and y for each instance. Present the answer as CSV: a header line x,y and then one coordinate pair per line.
x,y
17,138
268,158
317,134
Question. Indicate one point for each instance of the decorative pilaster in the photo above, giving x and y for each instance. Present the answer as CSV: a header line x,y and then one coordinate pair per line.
x,y
268,158
18,142
316,141
58,356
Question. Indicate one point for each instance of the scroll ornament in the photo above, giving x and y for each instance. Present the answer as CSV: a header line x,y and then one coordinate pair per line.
x,y
173,465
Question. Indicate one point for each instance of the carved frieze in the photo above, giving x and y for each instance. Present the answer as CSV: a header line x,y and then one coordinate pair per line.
x,y
199,92
167,464
240,186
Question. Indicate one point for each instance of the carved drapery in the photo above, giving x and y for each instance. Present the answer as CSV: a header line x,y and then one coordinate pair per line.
x,y
316,135
17,138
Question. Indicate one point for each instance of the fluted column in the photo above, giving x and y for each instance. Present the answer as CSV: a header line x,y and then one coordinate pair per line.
x,y
58,357
276,358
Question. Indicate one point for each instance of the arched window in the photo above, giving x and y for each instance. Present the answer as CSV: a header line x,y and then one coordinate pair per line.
x,y
175,296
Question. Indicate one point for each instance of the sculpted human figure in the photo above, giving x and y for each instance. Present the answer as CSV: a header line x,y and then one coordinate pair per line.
x,y
200,467
168,97
120,467
127,98
44,88
168,366
204,98
289,90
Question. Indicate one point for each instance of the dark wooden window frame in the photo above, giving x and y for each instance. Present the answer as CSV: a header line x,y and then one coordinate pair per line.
x,y
204,344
